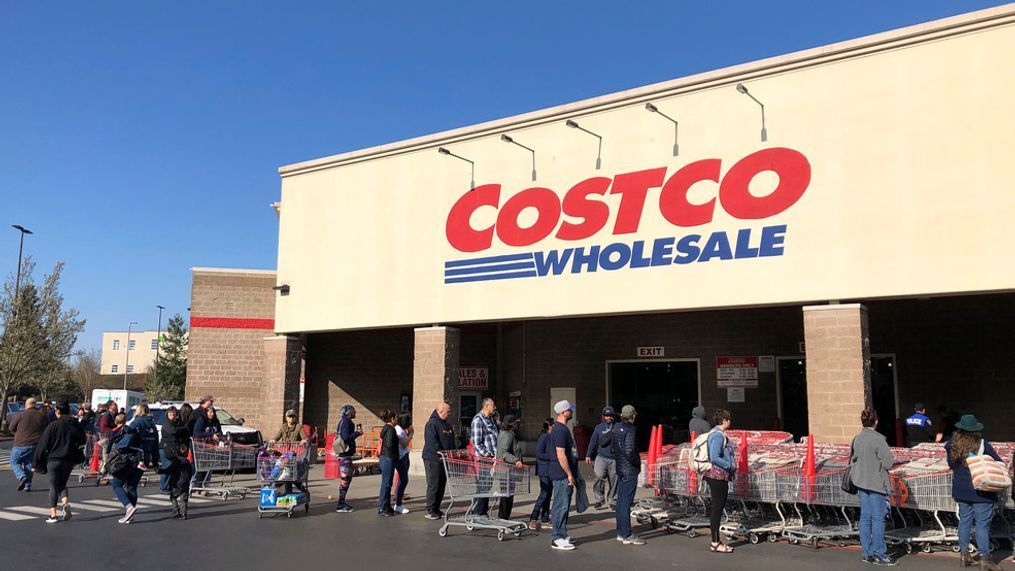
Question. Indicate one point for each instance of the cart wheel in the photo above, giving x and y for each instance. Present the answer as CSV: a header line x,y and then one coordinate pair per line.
x,y
773,538
994,545
500,535
468,528
653,522
814,543
144,483
81,479
669,530
258,515
289,514
225,496
926,548
754,538
98,481
691,533
955,548
909,548
443,531
795,541
518,534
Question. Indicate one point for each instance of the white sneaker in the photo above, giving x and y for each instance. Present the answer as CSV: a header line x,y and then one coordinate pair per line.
x,y
52,520
562,544
633,540
401,509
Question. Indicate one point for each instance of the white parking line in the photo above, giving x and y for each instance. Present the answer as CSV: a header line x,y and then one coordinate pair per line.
x,y
17,517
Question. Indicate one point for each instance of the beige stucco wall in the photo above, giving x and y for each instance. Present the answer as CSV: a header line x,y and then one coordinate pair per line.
x,y
909,140
142,357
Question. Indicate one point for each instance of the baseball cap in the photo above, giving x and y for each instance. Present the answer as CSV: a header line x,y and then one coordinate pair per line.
x,y
290,412
510,419
561,406
206,398
608,411
628,411
918,407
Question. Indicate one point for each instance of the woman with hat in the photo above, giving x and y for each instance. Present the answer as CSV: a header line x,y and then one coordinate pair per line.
x,y
974,506
508,450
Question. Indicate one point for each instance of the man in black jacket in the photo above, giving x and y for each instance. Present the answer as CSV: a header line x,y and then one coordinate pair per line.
x,y
625,453
437,436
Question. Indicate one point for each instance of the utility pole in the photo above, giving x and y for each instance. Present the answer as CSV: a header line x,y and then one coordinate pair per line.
x,y
158,342
17,279
126,365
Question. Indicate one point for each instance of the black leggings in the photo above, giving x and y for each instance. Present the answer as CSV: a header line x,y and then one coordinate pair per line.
x,y
58,472
719,490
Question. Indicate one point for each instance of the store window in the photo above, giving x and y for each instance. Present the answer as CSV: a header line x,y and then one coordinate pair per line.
x,y
155,344
131,344
115,368
130,369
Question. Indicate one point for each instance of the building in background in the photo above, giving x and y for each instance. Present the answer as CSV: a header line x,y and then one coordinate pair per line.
x,y
115,348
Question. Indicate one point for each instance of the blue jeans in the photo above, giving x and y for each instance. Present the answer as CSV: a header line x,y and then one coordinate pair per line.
x,y
21,462
626,488
872,523
981,514
166,466
541,509
560,507
387,474
126,489
402,467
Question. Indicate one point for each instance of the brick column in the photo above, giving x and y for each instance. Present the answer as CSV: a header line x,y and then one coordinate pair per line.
x,y
838,370
434,379
283,356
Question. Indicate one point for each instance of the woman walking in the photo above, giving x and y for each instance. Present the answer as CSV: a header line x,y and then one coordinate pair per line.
x,y
508,450
388,458
344,448
59,450
404,431
870,460
720,454
125,466
545,453
177,471
975,507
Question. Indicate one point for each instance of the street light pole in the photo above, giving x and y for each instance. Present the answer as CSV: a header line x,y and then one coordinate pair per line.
x,y
17,279
158,342
126,364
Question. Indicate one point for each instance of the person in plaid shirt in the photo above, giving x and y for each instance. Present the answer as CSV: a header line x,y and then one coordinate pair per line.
x,y
484,441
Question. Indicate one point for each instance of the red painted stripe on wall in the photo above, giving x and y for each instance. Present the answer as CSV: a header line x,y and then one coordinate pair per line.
x,y
232,323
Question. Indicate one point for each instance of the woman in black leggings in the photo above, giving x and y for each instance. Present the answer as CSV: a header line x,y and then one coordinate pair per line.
x,y
59,451
720,454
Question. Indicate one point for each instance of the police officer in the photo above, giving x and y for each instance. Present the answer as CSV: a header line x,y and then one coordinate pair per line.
x,y
918,426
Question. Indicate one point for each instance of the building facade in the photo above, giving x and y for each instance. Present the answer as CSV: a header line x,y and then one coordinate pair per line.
x,y
132,356
843,246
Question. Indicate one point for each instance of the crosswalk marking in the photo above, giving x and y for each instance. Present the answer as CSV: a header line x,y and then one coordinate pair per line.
x,y
109,503
194,500
154,502
16,517
82,506
31,510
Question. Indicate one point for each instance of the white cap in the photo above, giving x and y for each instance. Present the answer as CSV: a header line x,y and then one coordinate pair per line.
x,y
561,406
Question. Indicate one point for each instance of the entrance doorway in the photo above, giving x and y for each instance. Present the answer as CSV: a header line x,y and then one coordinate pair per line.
x,y
468,408
884,395
663,392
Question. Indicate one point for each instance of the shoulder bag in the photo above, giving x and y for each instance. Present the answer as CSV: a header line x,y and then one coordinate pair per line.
x,y
847,475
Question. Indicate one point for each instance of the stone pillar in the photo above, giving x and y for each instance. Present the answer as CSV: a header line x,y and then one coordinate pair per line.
x,y
283,357
838,370
434,379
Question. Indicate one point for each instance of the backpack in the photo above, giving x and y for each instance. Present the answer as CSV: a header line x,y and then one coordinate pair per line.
x,y
339,446
699,461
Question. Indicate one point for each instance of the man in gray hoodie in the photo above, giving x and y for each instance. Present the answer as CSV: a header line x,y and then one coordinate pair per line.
x,y
698,424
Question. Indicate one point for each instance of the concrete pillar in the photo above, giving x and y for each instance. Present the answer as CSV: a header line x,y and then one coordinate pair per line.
x,y
283,357
838,370
434,379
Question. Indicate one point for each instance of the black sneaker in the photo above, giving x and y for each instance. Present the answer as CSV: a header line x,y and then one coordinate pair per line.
x,y
867,559
884,561
343,508
432,516
598,505
21,484
384,513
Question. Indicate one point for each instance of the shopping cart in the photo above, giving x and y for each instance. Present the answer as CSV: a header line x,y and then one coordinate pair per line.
x,y
217,456
829,515
472,478
286,466
692,510
93,460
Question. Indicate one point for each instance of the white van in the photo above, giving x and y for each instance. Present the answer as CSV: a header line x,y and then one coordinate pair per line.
x,y
231,426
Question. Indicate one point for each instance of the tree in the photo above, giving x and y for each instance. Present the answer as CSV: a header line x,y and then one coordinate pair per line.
x,y
172,364
86,371
60,328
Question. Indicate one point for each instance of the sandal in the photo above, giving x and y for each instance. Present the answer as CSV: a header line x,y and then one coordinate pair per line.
x,y
720,548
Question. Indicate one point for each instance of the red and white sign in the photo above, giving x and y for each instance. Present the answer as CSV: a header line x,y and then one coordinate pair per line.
x,y
737,372
651,352
474,378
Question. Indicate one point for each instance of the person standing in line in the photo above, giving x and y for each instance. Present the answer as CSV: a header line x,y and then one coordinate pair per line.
x,y
348,432
625,452
107,424
404,432
484,441
600,455
545,453
186,414
508,450
871,459
125,466
562,474
698,424
89,418
438,436
387,459
718,477
58,451
27,427
975,507
176,470
206,401
919,428
207,426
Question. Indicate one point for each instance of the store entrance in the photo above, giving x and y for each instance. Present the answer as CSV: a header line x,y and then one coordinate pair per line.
x,y
468,408
663,392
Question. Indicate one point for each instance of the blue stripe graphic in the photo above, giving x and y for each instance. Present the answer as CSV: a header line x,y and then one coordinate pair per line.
x,y
486,277
488,260
492,268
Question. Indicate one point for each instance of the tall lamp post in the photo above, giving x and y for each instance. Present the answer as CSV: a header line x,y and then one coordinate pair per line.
x,y
158,342
17,279
126,364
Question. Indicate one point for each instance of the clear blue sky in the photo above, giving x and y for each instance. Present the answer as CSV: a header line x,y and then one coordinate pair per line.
x,y
140,139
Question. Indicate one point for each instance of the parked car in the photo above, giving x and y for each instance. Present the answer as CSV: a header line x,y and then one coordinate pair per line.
x,y
13,409
231,426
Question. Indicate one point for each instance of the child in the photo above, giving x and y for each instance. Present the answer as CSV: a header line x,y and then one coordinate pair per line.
x,y
179,486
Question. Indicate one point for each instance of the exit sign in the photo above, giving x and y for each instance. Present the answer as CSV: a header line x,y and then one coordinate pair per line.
x,y
651,352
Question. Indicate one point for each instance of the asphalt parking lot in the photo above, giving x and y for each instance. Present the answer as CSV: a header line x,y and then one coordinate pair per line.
x,y
228,534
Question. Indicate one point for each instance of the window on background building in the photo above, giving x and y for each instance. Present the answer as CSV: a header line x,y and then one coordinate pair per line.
x,y
130,368
116,344
115,368
155,344
131,344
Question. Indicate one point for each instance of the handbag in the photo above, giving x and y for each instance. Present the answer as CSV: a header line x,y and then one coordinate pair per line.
x,y
988,475
847,475
118,462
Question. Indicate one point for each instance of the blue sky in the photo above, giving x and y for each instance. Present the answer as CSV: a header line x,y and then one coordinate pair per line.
x,y
140,139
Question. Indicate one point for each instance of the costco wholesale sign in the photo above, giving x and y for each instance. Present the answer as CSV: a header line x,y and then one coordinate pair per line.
x,y
855,194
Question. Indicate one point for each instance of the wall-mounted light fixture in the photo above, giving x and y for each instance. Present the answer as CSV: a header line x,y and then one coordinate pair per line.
x,y
472,182
508,139
676,126
282,289
743,89
599,154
